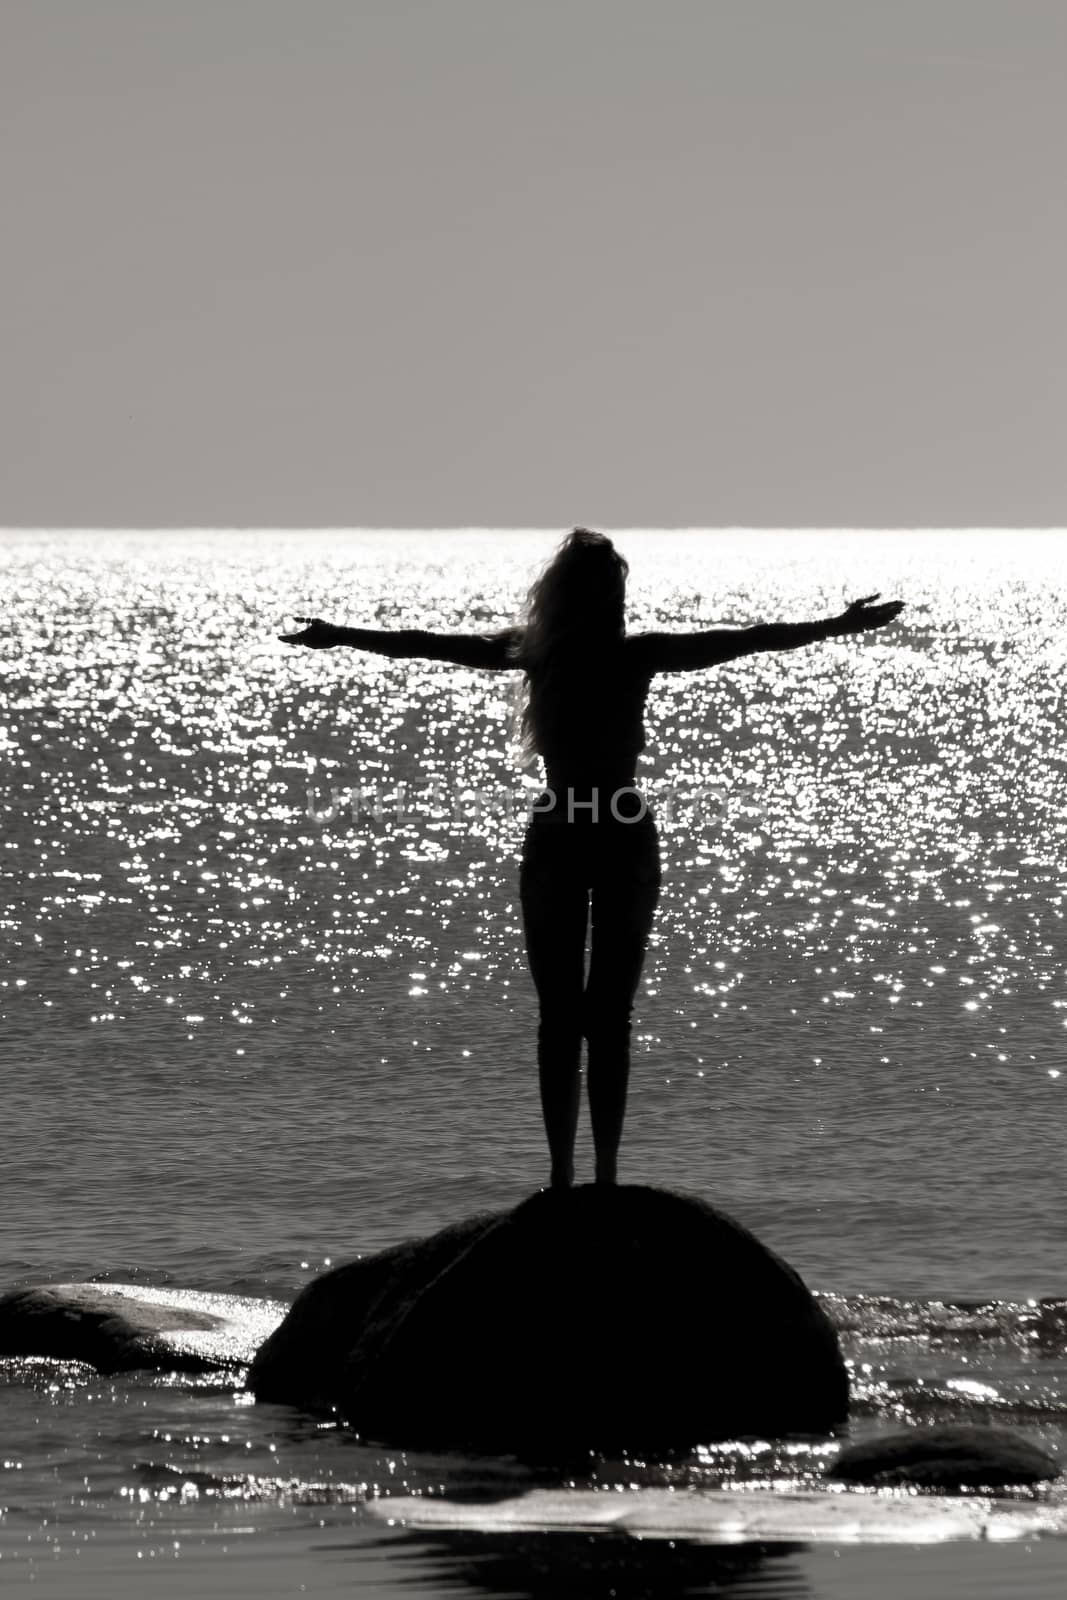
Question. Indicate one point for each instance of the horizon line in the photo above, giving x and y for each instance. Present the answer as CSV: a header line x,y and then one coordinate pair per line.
x,y
538,528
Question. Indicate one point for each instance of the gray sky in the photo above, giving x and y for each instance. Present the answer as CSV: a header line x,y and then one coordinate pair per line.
x,y
533,262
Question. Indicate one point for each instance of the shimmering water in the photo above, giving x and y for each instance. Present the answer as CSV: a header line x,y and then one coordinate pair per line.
x,y
252,1021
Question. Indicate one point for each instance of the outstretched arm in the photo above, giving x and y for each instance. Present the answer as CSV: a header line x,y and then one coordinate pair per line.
x,y
463,649
687,652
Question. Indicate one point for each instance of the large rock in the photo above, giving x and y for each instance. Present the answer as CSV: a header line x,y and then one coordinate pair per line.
x,y
595,1318
950,1457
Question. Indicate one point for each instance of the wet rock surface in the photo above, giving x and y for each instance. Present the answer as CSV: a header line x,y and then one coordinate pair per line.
x,y
127,1328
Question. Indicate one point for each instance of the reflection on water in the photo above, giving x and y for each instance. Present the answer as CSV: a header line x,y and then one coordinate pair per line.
x,y
858,949
597,1566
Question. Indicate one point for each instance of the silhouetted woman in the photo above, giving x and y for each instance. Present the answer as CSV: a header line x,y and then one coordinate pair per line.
x,y
591,851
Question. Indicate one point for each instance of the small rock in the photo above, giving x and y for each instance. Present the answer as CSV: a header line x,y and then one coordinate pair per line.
x,y
945,1458
125,1327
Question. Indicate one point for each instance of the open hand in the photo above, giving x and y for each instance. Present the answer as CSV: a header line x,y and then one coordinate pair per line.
x,y
317,635
864,614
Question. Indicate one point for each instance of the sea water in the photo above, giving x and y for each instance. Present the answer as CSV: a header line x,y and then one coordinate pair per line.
x,y
264,1002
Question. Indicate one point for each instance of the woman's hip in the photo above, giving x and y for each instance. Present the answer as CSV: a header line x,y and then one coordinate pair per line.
x,y
557,852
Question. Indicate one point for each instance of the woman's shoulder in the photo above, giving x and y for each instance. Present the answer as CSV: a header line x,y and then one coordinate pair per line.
x,y
639,649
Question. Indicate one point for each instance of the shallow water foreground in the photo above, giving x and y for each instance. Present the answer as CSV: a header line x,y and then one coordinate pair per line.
x,y
208,1488
320,1556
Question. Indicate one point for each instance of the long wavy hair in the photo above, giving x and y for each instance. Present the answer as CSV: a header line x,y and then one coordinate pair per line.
x,y
575,607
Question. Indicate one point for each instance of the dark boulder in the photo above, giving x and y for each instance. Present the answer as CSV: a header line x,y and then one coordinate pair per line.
x,y
950,1457
595,1318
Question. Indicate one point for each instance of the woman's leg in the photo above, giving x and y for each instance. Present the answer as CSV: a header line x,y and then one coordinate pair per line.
x,y
555,914
624,898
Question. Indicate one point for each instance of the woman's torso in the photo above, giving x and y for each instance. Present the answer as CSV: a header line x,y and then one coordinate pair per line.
x,y
590,730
